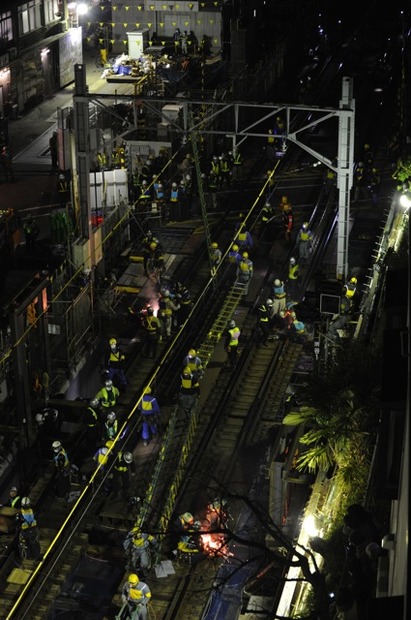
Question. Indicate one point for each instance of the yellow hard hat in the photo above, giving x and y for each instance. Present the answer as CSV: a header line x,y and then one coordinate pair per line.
x,y
147,390
109,443
187,372
214,245
235,248
153,245
187,517
245,254
113,341
133,579
192,353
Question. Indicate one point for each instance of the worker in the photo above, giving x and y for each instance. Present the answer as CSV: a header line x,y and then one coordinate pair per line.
x,y
183,296
225,170
110,426
298,330
62,470
270,148
266,219
152,327
174,209
101,457
284,203
360,182
147,250
115,365
234,258
186,539
216,171
217,514
288,222
293,278
108,395
374,185
189,391
136,595
139,546
367,156
232,338
350,291
91,420
244,239
27,531
31,232
121,480
237,165
245,271
168,308
150,411
305,240
215,257
263,322
194,363
211,183
13,500
279,297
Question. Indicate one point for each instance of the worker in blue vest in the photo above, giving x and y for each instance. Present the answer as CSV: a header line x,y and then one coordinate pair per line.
x,y
245,270
174,207
150,411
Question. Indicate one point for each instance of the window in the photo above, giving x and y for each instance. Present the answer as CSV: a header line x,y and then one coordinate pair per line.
x,y
29,16
6,27
51,8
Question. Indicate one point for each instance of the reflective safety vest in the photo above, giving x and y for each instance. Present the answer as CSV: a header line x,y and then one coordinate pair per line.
x,y
111,429
270,139
174,195
92,417
224,166
266,214
14,501
187,383
61,460
279,291
100,457
350,290
305,235
237,160
293,272
194,364
263,314
27,519
299,327
215,167
234,336
116,358
120,465
147,404
233,257
152,324
108,397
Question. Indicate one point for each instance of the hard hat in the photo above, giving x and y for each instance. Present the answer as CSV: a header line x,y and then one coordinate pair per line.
x,y
128,457
269,302
25,502
149,233
215,157
147,390
154,176
284,198
153,245
39,418
187,372
245,254
104,450
108,384
187,517
150,311
56,445
111,416
160,186
188,177
144,183
61,177
94,402
361,164
166,293
182,182
109,443
231,324
133,579
113,341
305,226
174,184
366,146
278,119
292,261
267,204
293,314
13,490
214,245
277,282
353,280
235,248
192,353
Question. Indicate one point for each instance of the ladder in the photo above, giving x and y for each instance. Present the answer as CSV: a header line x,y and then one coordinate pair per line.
x,y
205,350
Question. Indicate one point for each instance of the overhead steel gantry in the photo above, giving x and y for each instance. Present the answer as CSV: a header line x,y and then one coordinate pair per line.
x,y
234,120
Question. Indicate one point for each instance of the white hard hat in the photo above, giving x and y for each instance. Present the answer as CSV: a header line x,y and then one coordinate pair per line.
x,y
277,282
269,302
128,457
111,416
292,261
56,445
